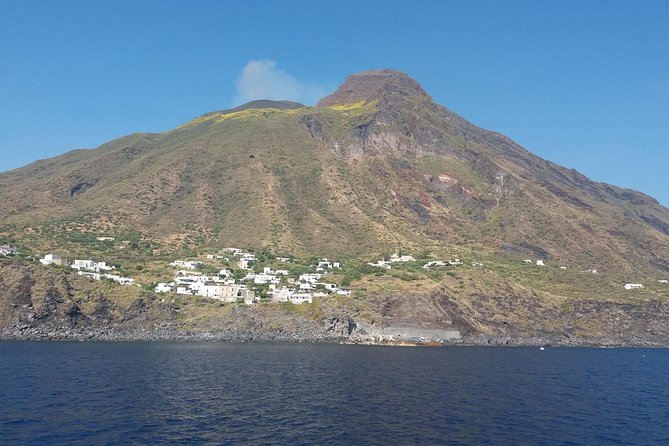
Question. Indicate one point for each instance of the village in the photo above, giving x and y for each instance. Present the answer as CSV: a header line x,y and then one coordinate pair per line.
x,y
265,284
249,284
277,285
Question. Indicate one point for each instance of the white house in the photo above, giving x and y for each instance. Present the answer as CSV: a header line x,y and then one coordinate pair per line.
x,y
344,292
282,295
300,298
215,257
527,261
225,273
115,278
83,264
540,263
51,259
91,265
90,275
455,262
398,258
283,259
185,273
246,262
188,264
311,278
102,266
184,290
330,287
381,264
633,286
164,287
7,250
261,278
211,290
206,279
119,279
663,281
324,263
187,280
434,263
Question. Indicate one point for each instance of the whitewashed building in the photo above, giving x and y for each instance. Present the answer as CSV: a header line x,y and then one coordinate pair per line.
x,y
246,262
329,287
90,275
184,290
300,298
188,264
381,264
311,277
282,295
398,258
164,287
8,251
262,278
91,265
50,259
119,279
216,257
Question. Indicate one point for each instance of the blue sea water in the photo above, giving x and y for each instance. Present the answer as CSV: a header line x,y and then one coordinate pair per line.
x,y
217,393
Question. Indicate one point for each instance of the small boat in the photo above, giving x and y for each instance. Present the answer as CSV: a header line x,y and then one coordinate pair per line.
x,y
541,348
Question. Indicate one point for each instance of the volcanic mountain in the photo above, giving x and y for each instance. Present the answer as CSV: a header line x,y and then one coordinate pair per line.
x,y
375,167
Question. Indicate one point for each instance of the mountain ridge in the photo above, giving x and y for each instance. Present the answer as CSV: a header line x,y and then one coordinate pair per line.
x,y
445,178
256,104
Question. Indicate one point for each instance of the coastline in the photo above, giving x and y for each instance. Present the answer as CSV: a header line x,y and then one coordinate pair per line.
x,y
167,333
49,305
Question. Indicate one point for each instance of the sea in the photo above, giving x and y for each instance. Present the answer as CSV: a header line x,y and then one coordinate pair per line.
x,y
145,393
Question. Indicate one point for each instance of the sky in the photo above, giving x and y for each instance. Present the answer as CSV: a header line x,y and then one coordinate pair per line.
x,y
582,83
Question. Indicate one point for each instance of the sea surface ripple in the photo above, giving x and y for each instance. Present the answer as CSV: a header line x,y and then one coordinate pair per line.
x,y
218,393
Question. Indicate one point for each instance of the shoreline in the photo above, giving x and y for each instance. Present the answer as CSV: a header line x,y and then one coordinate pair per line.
x,y
170,334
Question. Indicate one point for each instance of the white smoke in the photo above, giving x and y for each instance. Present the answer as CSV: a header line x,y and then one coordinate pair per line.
x,y
261,79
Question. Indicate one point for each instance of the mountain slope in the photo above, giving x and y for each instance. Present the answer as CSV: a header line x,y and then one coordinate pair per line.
x,y
375,167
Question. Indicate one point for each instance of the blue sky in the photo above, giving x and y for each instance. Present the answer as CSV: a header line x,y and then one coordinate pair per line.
x,y
582,83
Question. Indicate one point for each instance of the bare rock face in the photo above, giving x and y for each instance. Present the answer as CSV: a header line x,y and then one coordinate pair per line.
x,y
398,127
